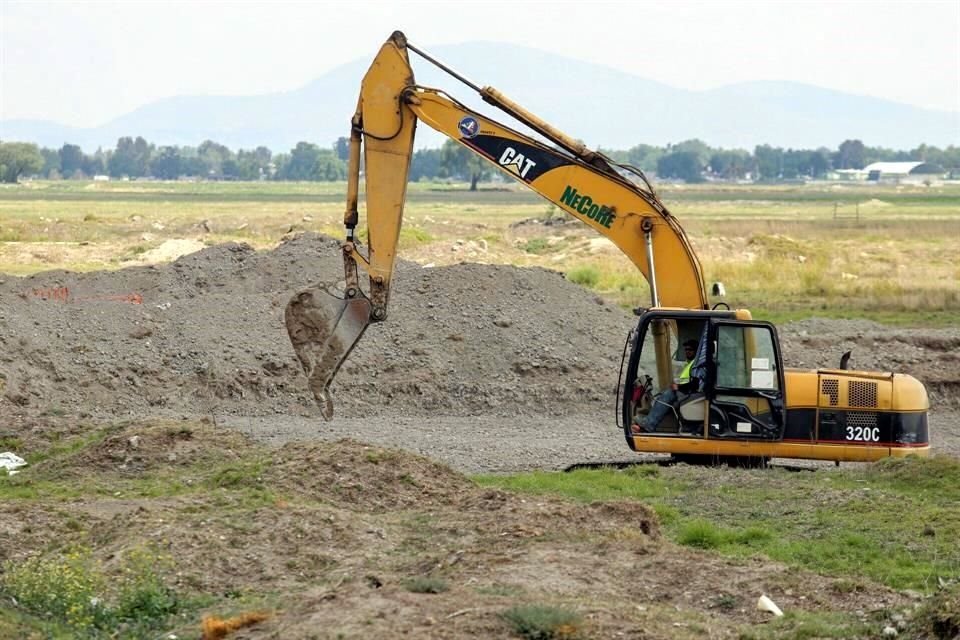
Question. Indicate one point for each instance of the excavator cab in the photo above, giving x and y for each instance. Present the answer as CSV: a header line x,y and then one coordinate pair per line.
x,y
734,383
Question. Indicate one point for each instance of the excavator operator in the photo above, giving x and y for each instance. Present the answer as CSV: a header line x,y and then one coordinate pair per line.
x,y
684,384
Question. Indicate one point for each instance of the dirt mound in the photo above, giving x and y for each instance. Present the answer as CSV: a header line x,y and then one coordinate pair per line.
x,y
204,334
290,533
134,448
357,476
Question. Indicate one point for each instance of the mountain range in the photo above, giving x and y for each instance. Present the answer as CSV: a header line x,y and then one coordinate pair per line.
x,y
602,106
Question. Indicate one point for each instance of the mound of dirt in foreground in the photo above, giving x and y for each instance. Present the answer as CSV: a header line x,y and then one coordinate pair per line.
x,y
344,539
205,335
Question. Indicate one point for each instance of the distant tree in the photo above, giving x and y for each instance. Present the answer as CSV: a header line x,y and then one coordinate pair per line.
x,y
695,146
303,162
683,165
458,161
329,167
425,164
130,158
730,164
213,155
17,159
342,148
51,163
71,159
253,165
819,163
93,165
166,164
850,155
644,156
230,169
769,161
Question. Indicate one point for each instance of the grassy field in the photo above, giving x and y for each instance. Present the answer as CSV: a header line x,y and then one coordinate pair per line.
x,y
885,252
810,520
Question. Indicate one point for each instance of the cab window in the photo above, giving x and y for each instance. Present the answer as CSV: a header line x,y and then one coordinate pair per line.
x,y
746,358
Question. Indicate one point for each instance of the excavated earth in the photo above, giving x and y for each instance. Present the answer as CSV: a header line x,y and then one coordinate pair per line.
x,y
471,357
479,368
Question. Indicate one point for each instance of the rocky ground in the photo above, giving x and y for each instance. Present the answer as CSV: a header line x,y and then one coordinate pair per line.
x,y
479,369
465,346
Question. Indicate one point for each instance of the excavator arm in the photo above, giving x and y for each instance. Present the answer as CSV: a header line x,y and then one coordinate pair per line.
x,y
324,327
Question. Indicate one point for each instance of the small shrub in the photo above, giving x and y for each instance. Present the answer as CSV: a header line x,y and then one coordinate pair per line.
x,y
536,246
541,622
700,534
66,588
726,602
72,589
425,584
143,593
584,276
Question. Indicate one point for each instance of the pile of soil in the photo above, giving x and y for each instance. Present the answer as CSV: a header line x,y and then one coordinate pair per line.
x,y
337,533
205,335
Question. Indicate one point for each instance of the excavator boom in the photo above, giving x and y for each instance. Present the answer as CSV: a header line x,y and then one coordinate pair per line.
x,y
324,327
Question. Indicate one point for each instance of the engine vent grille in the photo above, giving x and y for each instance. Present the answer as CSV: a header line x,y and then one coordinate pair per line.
x,y
861,419
862,394
831,388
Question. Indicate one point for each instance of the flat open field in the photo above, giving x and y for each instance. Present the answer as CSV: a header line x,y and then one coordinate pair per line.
x,y
179,470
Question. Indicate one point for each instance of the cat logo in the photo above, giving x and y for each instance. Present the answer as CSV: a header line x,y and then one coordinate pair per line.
x,y
515,162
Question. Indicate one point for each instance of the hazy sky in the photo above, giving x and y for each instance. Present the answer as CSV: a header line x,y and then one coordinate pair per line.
x,y
84,63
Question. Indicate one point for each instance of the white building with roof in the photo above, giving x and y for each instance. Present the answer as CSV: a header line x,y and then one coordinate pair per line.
x,y
902,172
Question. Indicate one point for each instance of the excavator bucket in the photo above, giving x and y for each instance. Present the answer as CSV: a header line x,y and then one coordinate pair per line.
x,y
323,328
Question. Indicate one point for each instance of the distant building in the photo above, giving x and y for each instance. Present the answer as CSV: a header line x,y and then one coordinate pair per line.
x,y
895,172
914,172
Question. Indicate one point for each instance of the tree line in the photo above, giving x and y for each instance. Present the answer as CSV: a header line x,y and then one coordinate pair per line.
x,y
691,160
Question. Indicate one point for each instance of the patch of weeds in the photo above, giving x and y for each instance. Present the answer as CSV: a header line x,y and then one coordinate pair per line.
x,y
666,514
67,588
701,534
498,589
536,246
411,236
90,218
543,622
584,276
54,411
425,584
848,585
10,443
180,433
725,602
802,625
143,593
71,589
238,477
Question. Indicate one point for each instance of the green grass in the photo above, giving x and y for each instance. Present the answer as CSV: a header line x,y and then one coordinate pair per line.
x,y
71,590
895,522
542,622
804,625
426,584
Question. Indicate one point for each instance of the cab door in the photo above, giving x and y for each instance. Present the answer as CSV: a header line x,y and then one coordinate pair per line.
x,y
745,384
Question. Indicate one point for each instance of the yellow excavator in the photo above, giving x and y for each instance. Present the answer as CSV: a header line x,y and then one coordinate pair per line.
x,y
738,400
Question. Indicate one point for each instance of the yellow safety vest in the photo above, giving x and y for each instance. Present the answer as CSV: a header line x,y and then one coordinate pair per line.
x,y
685,373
